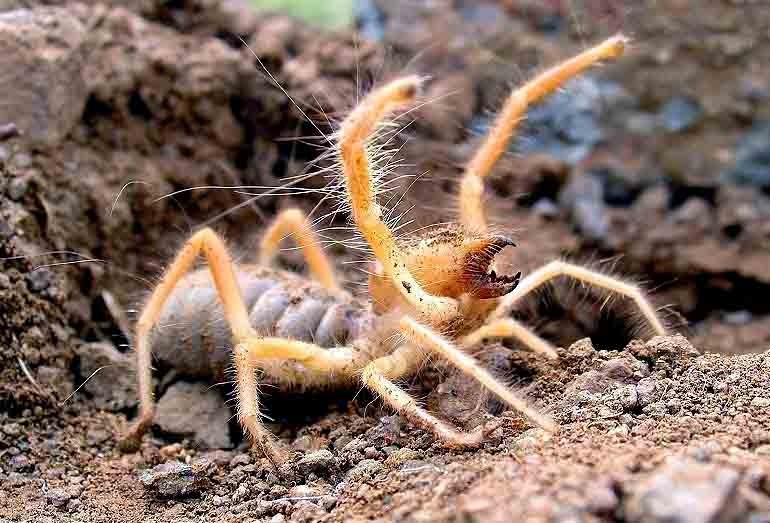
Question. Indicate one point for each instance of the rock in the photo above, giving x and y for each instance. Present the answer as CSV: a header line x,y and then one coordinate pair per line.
x,y
173,480
39,280
546,208
741,317
56,380
329,502
568,125
367,468
113,387
583,197
370,20
645,391
195,410
319,462
752,158
303,491
42,54
58,497
684,492
680,114
306,512
20,463
12,429
96,437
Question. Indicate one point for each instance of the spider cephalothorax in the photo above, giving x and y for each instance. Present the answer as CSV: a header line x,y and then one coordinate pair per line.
x,y
440,290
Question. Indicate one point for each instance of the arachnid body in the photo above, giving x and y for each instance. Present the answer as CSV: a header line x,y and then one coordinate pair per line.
x,y
439,291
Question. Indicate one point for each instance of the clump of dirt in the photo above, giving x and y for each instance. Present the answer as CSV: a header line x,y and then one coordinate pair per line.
x,y
653,159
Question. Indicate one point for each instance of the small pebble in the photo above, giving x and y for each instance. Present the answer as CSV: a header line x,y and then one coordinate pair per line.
x,y
318,461
173,480
680,114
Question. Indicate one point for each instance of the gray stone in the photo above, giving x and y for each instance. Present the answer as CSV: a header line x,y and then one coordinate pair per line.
x,y
195,410
680,114
58,497
173,480
113,387
684,492
367,468
42,54
583,197
319,462
56,380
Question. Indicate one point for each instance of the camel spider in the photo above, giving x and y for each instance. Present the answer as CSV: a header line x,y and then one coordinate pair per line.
x,y
438,290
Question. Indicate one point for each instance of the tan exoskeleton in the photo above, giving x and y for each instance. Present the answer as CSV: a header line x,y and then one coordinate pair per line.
x,y
438,290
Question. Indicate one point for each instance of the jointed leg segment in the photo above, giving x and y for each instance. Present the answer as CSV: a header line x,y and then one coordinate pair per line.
x,y
405,360
221,266
560,268
472,186
293,222
253,351
355,132
379,376
430,340
510,328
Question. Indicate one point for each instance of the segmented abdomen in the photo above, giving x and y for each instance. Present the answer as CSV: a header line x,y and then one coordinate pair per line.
x,y
193,337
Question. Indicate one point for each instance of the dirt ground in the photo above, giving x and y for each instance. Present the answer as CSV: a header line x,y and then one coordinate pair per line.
x,y
655,168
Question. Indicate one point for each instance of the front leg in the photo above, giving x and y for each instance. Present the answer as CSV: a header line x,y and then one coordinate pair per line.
x,y
378,376
337,361
426,338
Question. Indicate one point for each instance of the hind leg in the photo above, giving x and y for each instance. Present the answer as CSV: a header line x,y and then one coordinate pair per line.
x,y
220,263
250,347
293,222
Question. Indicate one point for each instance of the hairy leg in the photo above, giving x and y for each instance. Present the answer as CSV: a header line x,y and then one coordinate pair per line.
x,y
293,222
426,338
472,186
204,242
558,268
354,135
510,328
251,352
405,360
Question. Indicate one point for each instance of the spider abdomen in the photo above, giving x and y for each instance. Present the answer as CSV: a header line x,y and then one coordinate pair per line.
x,y
193,338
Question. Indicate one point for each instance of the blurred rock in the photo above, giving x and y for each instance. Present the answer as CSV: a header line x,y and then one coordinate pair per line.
x,y
569,124
680,114
685,492
41,59
195,410
318,462
113,386
583,197
370,20
752,158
